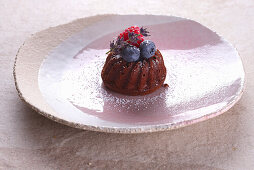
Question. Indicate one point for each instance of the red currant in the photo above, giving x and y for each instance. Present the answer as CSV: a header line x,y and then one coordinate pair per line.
x,y
134,29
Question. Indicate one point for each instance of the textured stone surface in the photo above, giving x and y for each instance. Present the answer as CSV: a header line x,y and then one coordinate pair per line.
x,y
30,141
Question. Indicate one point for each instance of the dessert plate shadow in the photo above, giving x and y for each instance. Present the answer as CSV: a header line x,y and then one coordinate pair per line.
x,y
57,72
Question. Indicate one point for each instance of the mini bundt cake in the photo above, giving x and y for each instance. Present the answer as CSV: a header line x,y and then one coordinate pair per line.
x,y
134,78
133,66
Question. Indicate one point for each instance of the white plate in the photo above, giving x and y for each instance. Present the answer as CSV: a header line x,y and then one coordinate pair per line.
x,y
204,73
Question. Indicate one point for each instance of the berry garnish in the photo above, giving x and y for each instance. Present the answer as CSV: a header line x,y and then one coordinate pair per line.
x,y
147,49
127,40
130,53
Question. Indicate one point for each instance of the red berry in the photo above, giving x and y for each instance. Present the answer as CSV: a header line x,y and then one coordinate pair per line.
x,y
134,29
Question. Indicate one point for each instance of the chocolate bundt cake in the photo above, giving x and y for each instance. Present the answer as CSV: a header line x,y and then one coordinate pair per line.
x,y
133,65
134,78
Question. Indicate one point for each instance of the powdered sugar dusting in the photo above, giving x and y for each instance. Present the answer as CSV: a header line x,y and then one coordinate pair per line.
x,y
83,87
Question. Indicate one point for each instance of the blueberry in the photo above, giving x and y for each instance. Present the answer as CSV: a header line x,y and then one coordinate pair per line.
x,y
130,53
147,49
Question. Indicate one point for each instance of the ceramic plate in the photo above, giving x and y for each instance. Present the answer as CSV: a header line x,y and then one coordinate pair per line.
x,y
204,73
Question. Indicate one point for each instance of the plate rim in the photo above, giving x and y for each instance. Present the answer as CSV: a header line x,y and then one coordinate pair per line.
x,y
129,130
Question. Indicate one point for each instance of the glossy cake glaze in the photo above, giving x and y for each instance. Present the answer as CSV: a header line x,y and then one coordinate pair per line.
x,y
134,78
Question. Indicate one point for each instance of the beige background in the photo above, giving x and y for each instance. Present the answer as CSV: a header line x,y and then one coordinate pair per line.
x,y
30,141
